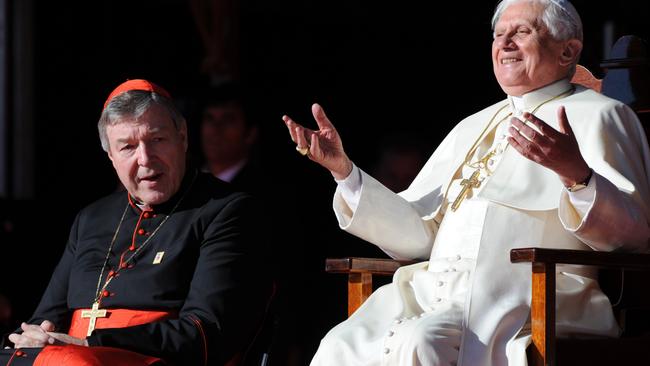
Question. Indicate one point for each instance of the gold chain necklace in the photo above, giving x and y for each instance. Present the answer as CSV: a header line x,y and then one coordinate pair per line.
x,y
95,312
482,163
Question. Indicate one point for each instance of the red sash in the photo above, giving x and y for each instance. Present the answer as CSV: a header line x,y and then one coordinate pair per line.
x,y
101,356
116,318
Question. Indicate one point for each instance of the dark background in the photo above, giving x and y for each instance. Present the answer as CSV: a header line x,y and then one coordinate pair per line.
x,y
380,69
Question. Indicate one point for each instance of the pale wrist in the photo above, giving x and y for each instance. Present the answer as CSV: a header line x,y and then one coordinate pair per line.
x,y
575,185
583,174
343,172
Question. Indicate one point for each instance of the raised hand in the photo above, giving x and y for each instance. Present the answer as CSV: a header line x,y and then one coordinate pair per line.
x,y
556,150
323,146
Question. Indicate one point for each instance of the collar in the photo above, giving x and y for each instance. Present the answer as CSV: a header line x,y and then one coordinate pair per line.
x,y
532,99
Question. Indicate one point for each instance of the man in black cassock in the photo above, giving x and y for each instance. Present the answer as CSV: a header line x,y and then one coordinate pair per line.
x,y
168,271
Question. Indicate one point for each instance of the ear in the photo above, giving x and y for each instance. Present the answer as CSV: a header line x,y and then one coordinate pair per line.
x,y
571,52
183,134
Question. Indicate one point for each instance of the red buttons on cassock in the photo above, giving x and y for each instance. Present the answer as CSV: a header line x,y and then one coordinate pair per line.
x,y
20,353
147,214
124,265
111,273
106,293
132,248
141,231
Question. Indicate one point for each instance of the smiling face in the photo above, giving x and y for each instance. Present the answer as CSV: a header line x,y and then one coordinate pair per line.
x,y
525,56
148,154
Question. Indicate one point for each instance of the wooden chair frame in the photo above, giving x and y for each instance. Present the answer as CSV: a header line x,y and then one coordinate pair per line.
x,y
542,351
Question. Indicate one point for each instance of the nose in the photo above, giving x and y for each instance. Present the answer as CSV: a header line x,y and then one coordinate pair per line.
x,y
504,41
145,155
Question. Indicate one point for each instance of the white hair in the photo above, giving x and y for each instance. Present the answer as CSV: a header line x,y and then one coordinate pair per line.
x,y
559,16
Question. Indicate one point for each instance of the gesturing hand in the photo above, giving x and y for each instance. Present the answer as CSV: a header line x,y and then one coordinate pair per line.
x,y
324,145
556,150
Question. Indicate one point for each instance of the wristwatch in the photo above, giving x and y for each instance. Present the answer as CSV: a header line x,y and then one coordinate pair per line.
x,y
581,185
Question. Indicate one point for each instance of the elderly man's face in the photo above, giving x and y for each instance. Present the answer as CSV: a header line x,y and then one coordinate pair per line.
x,y
525,56
148,154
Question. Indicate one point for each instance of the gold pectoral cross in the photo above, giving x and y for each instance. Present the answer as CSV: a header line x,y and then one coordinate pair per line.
x,y
93,314
467,184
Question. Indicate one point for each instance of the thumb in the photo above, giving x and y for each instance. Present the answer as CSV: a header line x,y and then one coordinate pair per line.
x,y
48,326
563,121
320,117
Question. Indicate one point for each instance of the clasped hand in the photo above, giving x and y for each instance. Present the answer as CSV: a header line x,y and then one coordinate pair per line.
x,y
556,150
41,336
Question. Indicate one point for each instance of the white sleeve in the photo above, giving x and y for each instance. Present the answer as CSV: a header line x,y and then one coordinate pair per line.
x,y
612,219
350,188
583,199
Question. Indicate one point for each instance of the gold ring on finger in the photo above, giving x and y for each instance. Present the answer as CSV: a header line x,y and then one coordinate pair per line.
x,y
302,150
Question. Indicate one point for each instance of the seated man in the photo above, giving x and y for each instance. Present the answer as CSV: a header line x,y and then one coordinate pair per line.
x,y
515,174
162,272
229,137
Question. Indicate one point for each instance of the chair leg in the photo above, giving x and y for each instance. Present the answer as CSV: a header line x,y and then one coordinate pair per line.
x,y
542,351
359,289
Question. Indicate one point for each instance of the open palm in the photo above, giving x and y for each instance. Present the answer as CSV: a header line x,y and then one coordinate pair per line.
x,y
324,145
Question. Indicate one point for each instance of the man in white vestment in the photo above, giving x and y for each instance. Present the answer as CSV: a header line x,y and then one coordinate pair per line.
x,y
553,165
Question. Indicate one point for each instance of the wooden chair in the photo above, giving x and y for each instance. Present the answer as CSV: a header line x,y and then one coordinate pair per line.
x,y
628,75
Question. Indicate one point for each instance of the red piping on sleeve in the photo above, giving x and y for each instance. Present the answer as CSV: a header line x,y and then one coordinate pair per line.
x,y
205,342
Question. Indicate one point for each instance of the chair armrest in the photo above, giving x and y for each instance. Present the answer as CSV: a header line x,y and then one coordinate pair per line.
x,y
360,272
543,263
364,265
632,261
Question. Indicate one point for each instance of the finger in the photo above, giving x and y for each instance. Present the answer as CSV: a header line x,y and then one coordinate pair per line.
x,y
320,117
48,326
525,147
527,131
32,331
15,338
29,339
543,127
315,152
38,336
563,121
301,140
521,149
59,338
26,327
291,125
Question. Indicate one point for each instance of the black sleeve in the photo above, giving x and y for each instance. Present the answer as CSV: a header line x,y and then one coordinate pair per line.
x,y
54,305
226,301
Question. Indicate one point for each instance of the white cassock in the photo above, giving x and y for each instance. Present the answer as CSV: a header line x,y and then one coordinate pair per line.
x,y
468,305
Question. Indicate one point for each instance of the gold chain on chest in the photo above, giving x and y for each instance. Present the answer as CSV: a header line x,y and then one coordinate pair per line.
x,y
482,162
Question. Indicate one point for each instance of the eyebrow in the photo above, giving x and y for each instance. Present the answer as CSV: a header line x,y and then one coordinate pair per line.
x,y
153,130
518,24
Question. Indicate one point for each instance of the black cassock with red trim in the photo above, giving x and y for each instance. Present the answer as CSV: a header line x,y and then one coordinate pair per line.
x,y
199,257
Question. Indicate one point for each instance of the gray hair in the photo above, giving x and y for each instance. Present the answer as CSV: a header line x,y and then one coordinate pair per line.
x,y
133,104
559,16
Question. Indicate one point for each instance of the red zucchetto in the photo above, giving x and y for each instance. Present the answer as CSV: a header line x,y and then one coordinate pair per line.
x,y
136,84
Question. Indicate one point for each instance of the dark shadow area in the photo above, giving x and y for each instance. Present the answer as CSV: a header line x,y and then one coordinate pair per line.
x,y
379,70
